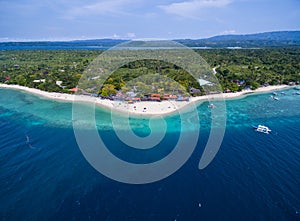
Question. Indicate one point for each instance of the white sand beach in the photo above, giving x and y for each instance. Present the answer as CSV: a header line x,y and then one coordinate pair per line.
x,y
143,108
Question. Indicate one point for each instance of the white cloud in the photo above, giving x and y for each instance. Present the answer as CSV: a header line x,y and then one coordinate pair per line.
x,y
228,32
191,8
130,35
116,36
106,7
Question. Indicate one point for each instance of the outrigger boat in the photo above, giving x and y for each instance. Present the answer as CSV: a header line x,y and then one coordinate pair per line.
x,y
262,129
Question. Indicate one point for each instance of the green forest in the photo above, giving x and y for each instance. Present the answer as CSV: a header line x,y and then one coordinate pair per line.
x,y
235,69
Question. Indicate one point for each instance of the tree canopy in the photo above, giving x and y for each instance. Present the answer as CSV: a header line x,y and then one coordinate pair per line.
x,y
61,70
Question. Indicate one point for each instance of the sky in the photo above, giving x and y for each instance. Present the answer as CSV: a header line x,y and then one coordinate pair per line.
x,y
143,19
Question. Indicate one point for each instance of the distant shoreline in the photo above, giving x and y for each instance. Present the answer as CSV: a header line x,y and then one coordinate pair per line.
x,y
143,108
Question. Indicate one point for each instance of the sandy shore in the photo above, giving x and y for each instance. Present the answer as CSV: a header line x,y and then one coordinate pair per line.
x,y
144,108
241,93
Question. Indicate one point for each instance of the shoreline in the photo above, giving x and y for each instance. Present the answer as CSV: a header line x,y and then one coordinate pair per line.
x,y
143,108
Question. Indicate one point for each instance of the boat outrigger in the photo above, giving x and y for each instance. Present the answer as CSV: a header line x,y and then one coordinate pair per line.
x,y
262,129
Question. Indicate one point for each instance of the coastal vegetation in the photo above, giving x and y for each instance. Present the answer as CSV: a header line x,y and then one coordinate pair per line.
x,y
241,68
60,70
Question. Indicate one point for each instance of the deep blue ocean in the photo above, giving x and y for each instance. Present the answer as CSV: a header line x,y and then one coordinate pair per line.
x,y
254,176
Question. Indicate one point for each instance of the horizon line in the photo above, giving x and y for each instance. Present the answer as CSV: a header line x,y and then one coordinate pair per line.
x,y
16,40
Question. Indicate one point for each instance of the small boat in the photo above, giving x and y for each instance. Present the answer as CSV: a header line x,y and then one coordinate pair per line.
x,y
274,93
275,98
262,129
211,106
283,93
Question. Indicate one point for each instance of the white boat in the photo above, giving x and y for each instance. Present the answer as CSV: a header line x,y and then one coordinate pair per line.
x,y
275,98
211,106
262,129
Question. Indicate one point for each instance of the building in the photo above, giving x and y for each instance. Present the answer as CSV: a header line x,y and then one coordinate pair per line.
x,y
154,97
169,97
194,91
75,89
203,82
39,81
59,83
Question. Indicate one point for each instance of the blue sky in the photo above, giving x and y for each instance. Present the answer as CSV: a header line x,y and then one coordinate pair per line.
x,y
135,19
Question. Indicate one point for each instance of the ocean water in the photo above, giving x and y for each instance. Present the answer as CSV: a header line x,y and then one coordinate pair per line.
x,y
254,176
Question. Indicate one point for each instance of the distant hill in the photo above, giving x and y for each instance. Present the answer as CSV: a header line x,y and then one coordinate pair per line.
x,y
261,40
269,36
267,39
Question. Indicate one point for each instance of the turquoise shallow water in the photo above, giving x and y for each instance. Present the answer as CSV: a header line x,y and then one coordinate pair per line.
x,y
254,176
